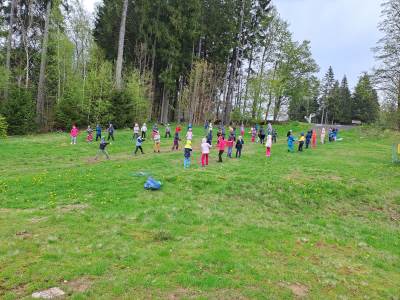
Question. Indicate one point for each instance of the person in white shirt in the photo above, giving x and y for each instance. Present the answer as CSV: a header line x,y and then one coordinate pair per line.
x,y
205,151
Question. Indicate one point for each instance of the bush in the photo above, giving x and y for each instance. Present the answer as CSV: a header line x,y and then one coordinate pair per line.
x,y
3,127
20,112
68,113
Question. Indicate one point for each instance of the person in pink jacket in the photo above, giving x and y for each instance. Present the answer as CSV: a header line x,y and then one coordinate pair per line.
x,y
74,134
221,148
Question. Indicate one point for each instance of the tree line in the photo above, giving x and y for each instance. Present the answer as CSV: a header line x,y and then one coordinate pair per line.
x,y
225,60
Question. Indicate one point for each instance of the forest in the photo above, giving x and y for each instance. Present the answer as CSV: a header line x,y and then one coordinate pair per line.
x,y
178,61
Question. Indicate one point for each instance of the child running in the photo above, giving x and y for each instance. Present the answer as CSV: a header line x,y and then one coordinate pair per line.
x,y
89,132
221,148
301,142
74,134
239,147
139,142
157,142
205,151
268,144
102,149
187,153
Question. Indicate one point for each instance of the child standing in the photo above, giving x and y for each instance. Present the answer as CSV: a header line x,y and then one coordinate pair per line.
x,y
301,142
110,132
157,142
239,147
323,133
74,134
98,132
144,130
102,149
205,151
167,131
274,135
221,148
314,138
139,142
187,153
308,139
209,137
242,130
189,134
253,134
268,144
176,141
290,141
136,129
229,144
89,137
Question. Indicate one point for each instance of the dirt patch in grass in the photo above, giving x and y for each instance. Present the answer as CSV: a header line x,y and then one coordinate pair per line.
x,y
299,290
38,220
181,293
79,285
24,234
73,207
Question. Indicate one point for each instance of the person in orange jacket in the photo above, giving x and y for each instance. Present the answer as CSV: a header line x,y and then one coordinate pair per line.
x,y
314,138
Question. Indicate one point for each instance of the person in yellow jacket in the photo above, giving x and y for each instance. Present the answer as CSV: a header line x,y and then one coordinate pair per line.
x,y
301,142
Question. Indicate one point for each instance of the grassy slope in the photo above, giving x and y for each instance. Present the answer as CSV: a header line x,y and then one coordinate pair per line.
x,y
326,219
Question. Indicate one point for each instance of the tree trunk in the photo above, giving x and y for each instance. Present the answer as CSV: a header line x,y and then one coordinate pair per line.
x,y
9,41
247,82
42,74
118,69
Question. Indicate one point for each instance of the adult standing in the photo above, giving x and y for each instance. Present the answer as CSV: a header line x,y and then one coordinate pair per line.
x,y
323,133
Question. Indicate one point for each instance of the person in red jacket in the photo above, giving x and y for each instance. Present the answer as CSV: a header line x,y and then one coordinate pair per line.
x,y
74,134
221,147
229,144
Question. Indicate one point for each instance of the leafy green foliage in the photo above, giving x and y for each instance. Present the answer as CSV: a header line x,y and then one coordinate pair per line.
x,y
19,111
365,101
3,127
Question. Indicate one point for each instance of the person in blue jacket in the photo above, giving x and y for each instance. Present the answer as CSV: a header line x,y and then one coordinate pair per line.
x,y
98,132
308,139
290,141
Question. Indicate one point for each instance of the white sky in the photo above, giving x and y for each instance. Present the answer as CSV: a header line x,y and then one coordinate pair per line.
x,y
342,32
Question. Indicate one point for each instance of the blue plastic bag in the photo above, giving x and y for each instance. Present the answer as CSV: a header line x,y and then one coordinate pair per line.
x,y
152,184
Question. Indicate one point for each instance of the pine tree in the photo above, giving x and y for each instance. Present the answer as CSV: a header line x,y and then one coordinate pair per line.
x,y
365,101
327,85
345,105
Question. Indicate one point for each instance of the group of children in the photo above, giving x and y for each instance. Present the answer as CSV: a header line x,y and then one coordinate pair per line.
x,y
310,139
266,137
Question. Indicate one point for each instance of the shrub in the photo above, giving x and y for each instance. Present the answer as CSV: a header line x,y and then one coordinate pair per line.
x,y
3,127
20,112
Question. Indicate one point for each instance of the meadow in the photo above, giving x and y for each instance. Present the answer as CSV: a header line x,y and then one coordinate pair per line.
x,y
323,224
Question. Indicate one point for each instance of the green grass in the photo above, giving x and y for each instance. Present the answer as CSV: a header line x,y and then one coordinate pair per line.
x,y
325,221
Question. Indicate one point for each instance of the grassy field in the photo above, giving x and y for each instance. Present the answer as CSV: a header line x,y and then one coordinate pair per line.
x,y
323,224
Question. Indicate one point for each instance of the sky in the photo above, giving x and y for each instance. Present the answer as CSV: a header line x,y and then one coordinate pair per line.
x,y
342,32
